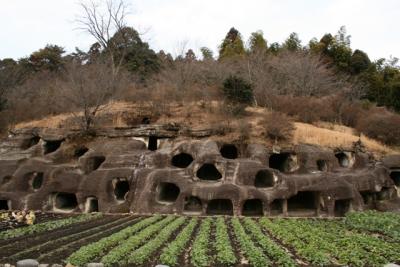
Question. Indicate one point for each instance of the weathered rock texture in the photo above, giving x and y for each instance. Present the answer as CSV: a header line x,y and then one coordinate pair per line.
x,y
164,169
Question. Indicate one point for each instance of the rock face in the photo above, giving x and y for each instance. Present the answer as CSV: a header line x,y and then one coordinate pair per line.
x,y
163,169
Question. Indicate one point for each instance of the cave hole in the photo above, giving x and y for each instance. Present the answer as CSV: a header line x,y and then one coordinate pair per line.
x,y
182,160
66,201
153,143
342,206
322,165
6,179
93,163
283,162
229,151
208,172
395,175
4,204
167,192
91,205
220,207
80,151
264,178
146,120
121,189
343,159
304,200
276,206
368,197
252,207
28,143
192,204
51,146
37,180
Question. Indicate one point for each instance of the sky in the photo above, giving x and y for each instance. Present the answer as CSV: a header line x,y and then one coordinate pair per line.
x,y
171,25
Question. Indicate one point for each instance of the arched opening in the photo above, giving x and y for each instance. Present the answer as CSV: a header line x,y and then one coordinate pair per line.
x,y
91,204
192,204
6,179
182,160
51,146
276,207
343,159
264,178
304,201
28,143
342,206
322,165
284,162
121,189
229,151
4,204
80,151
395,175
66,201
253,207
37,180
167,192
146,120
93,163
153,143
208,172
220,207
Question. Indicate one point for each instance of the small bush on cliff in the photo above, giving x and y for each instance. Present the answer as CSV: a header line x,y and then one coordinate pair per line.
x,y
278,127
381,126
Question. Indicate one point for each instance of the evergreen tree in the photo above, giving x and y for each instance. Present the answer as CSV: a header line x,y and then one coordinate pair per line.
x,y
292,43
232,45
257,42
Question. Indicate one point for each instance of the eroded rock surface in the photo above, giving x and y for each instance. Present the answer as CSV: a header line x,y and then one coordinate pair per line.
x,y
164,169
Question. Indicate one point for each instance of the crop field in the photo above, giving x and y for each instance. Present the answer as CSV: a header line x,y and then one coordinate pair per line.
x,y
360,239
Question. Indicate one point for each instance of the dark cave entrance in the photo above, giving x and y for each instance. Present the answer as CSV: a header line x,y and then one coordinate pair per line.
x,y
264,178
146,120
395,175
220,207
92,204
253,207
208,172
303,201
342,206
66,201
6,179
343,159
80,151
121,189
192,204
51,146
229,151
37,180
281,162
4,204
368,197
93,163
322,165
167,192
153,143
182,160
276,207
30,142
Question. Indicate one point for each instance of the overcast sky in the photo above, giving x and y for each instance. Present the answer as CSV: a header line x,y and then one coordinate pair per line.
x,y
28,25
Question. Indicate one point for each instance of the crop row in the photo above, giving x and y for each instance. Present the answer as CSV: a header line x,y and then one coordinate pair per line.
x,y
199,254
224,251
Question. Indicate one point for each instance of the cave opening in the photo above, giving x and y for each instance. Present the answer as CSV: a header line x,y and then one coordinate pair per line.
x,y
395,175
182,160
208,172
343,159
66,201
220,207
322,165
51,146
4,204
146,120
167,192
37,180
303,201
34,140
6,179
192,204
283,162
253,207
91,205
264,178
80,151
121,189
276,207
342,206
153,143
229,151
93,163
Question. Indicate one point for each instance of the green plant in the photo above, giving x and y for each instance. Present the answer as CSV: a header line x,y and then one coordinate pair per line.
x,y
199,255
238,89
225,255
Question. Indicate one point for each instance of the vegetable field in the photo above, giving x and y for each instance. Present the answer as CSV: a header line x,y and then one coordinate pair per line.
x,y
361,239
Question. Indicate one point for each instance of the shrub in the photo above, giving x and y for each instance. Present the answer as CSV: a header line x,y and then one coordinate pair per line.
x,y
382,126
238,90
278,126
